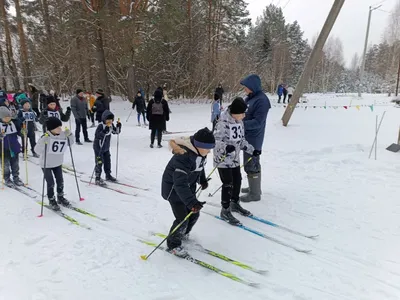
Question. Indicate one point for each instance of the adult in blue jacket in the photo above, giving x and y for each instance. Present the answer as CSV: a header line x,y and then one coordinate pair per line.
x,y
254,125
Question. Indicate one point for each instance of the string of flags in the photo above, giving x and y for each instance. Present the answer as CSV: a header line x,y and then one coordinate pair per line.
x,y
346,107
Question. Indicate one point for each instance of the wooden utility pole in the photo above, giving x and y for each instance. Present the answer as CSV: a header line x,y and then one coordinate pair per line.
x,y
398,79
313,60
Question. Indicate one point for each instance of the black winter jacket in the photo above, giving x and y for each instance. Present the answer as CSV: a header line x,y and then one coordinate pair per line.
x,y
140,104
102,137
184,170
157,121
100,106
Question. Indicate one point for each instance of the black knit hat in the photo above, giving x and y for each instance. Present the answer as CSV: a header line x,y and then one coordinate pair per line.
x,y
50,99
204,139
53,123
158,94
238,106
78,91
217,96
25,101
100,92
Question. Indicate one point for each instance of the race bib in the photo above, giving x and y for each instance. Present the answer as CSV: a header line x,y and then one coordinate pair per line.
x,y
57,146
53,114
236,132
29,116
9,128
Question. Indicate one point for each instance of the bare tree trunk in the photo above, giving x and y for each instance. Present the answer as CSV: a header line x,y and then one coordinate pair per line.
x,y
3,70
10,56
24,50
101,59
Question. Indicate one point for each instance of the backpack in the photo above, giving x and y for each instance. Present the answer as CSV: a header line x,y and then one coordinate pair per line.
x,y
157,109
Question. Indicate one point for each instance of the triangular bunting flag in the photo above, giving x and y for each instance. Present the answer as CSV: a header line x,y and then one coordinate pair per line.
x,y
372,108
345,107
358,107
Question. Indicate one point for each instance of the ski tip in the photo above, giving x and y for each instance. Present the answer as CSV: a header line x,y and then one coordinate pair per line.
x,y
82,199
40,216
209,195
143,257
262,272
313,237
254,285
304,251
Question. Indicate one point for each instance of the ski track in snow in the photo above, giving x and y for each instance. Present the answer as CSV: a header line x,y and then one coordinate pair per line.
x,y
317,179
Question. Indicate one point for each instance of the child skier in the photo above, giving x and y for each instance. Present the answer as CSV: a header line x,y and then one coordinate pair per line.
x,y
9,131
101,146
229,136
215,111
56,141
51,111
27,117
140,107
184,170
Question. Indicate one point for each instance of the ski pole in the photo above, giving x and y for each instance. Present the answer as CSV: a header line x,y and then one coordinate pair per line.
x,y
129,116
73,166
26,151
2,159
212,195
116,166
198,193
44,173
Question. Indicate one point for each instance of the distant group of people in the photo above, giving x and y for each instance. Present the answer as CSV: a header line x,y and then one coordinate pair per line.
x,y
286,91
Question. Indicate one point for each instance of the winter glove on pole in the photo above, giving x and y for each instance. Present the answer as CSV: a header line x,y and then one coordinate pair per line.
x,y
197,206
256,153
229,149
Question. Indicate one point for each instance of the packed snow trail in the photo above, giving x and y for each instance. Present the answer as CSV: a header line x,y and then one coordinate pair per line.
x,y
316,179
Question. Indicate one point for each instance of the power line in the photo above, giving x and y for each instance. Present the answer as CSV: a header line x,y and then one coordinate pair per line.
x,y
286,4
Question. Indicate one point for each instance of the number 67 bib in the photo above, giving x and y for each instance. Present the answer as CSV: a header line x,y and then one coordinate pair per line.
x,y
57,146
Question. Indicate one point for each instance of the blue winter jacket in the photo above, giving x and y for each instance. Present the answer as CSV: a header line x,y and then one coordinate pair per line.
x,y
216,110
11,144
280,90
258,106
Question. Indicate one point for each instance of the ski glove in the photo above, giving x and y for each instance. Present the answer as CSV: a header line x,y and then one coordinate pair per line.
x,y
106,130
67,132
68,108
256,153
229,149
99,161
197,206
119,126
204,185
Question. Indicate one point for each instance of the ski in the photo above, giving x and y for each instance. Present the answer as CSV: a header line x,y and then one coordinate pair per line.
x,y
204,265
175,132
128,185
220,256
110,188
86,213
274,225
68,168
263,235
65,216
23,191
71,173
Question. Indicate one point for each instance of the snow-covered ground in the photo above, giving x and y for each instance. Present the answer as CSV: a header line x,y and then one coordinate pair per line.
x,y
317,179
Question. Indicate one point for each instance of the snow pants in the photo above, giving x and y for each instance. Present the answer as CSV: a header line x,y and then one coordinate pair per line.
x,y
231,184
48,176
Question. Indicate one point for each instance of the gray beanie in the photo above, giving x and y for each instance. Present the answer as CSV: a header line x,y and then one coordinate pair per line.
x,y
4,112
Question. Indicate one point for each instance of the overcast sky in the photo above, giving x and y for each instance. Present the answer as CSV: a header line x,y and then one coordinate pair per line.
x,y
350,26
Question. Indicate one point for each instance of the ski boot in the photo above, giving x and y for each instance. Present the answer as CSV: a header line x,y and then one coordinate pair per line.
x,y
53,204
79,143
18,182
236,207
100,182
9,183
151,146
61,200
34,154
179,251
110,178
227,216
159,146
88,141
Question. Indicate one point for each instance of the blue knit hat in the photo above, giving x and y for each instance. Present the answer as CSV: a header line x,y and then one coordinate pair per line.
x,y
204,139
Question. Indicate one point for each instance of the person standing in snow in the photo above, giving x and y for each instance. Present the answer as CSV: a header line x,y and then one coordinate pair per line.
x,y
100,105
91,99
101,147
280,92
51,111
34,96
230,140
254,125
290,90
9,131
184,170
285,93
28,117
220,91
140,107
51,161
215,111
157,115
79,107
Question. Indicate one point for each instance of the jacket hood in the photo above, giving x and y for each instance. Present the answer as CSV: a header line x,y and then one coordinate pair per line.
x,y
107,115
252,82
177,144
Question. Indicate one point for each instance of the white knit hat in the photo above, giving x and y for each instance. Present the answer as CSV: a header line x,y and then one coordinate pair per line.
x,y
4,112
